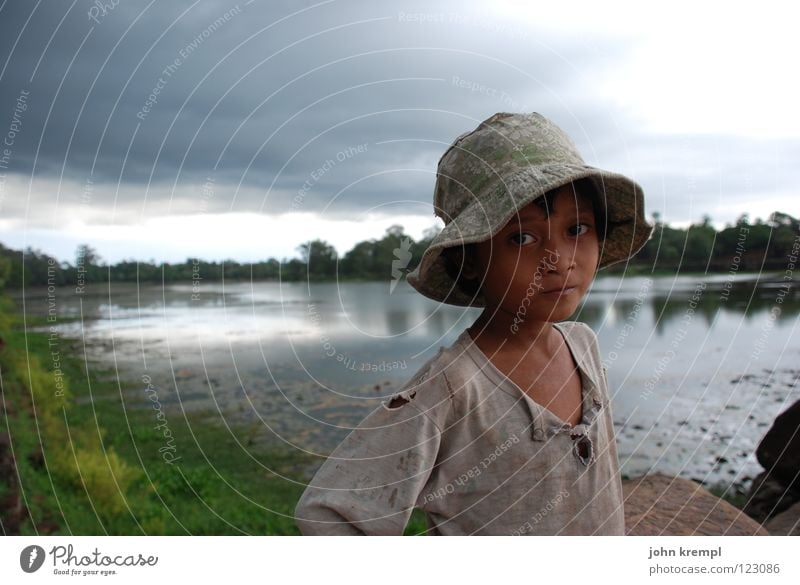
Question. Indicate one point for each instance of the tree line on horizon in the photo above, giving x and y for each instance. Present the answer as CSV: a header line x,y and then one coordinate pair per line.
x,y
741,246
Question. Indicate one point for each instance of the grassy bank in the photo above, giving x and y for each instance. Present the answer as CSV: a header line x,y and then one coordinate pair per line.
x,y
77,458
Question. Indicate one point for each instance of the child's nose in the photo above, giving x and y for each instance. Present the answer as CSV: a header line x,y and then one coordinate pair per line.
x,y
559,255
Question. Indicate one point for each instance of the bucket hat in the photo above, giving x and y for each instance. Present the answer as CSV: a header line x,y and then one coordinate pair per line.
x,y
489,174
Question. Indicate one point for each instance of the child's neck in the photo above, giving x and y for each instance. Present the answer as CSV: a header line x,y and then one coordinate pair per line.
x,y
492,330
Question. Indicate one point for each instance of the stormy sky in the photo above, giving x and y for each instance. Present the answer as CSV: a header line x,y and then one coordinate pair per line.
x,y
240,129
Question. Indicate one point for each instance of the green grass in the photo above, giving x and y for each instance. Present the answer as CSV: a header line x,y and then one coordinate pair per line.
x,y
93,466
416,524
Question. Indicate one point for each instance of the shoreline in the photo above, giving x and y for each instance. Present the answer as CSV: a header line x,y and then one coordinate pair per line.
x,y
120,483
122,405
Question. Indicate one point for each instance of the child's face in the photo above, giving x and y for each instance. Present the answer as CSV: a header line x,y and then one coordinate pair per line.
x,y
529,261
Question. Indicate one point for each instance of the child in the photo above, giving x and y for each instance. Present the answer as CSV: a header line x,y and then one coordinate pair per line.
x,y
509,429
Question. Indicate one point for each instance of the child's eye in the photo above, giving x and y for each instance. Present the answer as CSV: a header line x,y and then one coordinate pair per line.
x,y
522,238
580,228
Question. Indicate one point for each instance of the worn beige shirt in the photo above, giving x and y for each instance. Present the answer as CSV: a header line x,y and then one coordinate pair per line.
x,y
476,454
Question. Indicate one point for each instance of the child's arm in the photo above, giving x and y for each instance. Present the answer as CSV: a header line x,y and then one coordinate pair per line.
x,y
370,483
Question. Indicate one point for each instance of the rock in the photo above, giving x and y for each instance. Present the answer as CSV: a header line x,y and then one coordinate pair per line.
x,y
660,505
787,523
768,497
779,450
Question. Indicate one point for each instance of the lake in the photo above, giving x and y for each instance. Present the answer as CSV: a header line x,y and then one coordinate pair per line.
x,y
699,366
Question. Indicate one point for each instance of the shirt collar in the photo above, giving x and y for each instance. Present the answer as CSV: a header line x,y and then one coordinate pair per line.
x,y
581,346
579,343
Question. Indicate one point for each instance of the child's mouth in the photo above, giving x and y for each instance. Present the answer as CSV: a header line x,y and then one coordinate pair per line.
x,y
560,292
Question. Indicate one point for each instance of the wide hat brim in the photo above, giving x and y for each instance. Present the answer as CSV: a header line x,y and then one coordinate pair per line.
x,y
484,217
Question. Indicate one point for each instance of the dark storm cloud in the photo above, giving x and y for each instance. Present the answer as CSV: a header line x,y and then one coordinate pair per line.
x,y
259,94
297,105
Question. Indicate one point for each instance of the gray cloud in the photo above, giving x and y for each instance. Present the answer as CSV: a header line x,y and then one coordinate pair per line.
x,y
261,95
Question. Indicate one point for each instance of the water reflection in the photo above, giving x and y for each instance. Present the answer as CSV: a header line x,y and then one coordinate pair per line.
x,y
698,366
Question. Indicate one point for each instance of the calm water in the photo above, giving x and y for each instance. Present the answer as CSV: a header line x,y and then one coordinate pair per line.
x,y
698,366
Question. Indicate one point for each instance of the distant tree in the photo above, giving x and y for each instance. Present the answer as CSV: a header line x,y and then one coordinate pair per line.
x,y
656,218
266,270
699,244
319,257
87,256
361,261
5,270
785,229
778,220
431,232
395,230
748,246
393,254
293,269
